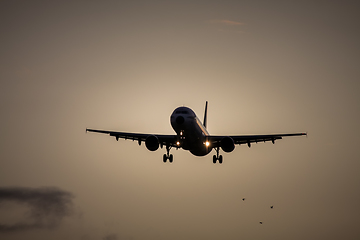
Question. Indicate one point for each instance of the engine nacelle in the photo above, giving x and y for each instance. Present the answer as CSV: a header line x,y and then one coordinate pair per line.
x,y
227,144
152,143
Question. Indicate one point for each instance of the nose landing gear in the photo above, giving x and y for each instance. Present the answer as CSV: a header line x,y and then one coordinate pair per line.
x,y
217,156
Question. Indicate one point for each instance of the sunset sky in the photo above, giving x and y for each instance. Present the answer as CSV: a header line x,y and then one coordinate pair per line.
x,y
264,67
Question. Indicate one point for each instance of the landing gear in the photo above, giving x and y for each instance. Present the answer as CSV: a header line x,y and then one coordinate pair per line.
x,y
220,159
217,156
167,155
171,158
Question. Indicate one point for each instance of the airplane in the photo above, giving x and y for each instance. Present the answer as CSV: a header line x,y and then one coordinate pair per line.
x,y
192,135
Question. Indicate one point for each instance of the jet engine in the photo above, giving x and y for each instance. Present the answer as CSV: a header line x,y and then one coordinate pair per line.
x,y
227,144
152,143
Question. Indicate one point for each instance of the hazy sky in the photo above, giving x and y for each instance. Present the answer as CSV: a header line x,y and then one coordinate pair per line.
x,y
264,66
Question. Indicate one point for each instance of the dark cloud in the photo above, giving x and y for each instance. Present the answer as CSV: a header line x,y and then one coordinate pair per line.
x,y
117,237
47,207
110,237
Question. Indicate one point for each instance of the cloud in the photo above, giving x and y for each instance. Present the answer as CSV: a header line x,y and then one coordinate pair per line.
x,y
226,22
225,25
47,207
110,237
116,237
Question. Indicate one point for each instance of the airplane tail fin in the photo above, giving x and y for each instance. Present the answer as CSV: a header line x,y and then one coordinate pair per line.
x,y
205,115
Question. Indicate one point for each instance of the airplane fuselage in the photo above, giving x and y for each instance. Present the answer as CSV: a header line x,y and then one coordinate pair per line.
x,y
192,135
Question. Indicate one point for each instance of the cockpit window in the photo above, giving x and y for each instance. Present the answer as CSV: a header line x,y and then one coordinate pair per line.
x,y
183,112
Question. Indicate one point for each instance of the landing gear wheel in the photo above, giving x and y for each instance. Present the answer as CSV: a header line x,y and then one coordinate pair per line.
x,y
217,156
168,155
171,158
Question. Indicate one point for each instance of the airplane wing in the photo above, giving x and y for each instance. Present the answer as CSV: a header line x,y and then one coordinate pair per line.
x,y
248,139
164,140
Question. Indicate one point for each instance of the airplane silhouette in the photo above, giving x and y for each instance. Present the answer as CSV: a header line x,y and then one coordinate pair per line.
x,y
191,135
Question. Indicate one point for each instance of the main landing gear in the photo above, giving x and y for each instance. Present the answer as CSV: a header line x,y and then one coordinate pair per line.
x,y
167,155
217,156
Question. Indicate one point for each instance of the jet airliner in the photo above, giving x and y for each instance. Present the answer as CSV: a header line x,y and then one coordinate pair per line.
x,y
192,135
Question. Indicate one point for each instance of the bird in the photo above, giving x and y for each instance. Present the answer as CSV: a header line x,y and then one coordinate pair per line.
x,y
271,207
243,199
260,222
